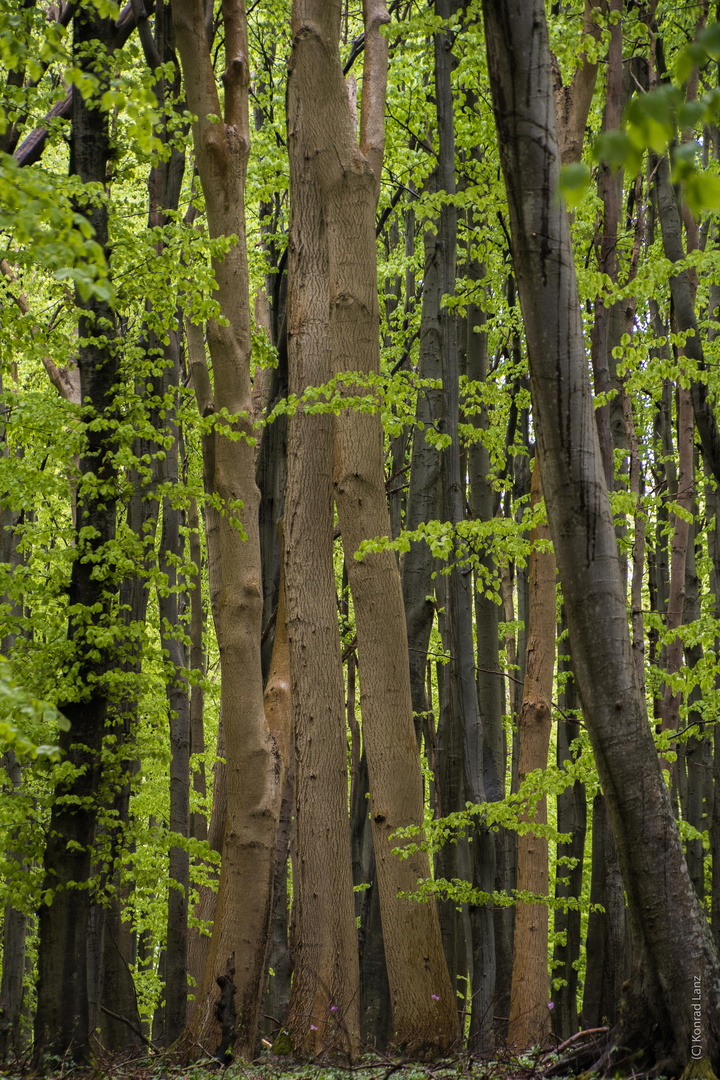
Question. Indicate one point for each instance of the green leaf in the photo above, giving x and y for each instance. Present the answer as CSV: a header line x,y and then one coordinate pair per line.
x,y
613,147
702,192
573,183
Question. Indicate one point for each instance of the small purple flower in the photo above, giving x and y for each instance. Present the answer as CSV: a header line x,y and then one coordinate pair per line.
x,y
313,1028
435,997
333,1008
551,1004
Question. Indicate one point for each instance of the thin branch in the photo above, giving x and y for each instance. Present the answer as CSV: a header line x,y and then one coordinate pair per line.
x,y
124,1020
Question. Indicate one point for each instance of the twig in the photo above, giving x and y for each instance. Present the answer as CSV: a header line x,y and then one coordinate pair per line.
x,y
124,1020
578,1035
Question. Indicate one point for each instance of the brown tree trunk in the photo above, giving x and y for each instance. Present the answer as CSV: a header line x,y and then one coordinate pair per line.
x,y
323,1014
198,819
348,178
572,819
254,760
655,875
529,1013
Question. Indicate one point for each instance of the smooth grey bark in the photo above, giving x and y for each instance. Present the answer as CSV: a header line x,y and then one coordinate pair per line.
x,y
423,498
605,967
466,719
655,874
490,689
449,799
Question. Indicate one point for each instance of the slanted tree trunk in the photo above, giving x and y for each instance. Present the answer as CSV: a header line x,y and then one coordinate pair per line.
x,y
657,884
529,1015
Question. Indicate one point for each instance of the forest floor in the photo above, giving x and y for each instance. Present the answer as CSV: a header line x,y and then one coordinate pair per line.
x,y
150,1069
534,1065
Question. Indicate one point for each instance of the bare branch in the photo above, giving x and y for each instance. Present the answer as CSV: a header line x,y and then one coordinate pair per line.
x,y
375,63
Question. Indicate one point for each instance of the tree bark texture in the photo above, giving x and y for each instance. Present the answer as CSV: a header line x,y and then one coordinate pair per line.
x,y
254,767
323,1012
348,178
655,875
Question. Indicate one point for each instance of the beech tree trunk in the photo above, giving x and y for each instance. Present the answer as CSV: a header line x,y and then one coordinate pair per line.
x,y
347,178
254,769
323,1014
660,894
572,819
529,1015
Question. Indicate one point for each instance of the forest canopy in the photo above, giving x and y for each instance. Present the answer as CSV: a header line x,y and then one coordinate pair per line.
x,y
359,545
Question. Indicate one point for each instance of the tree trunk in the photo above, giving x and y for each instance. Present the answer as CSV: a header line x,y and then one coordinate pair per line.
x,y
348,179
424,491
605,964
655,875
62,1021
529,1014
466,720
198,819
324,1001
572,819
254,761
